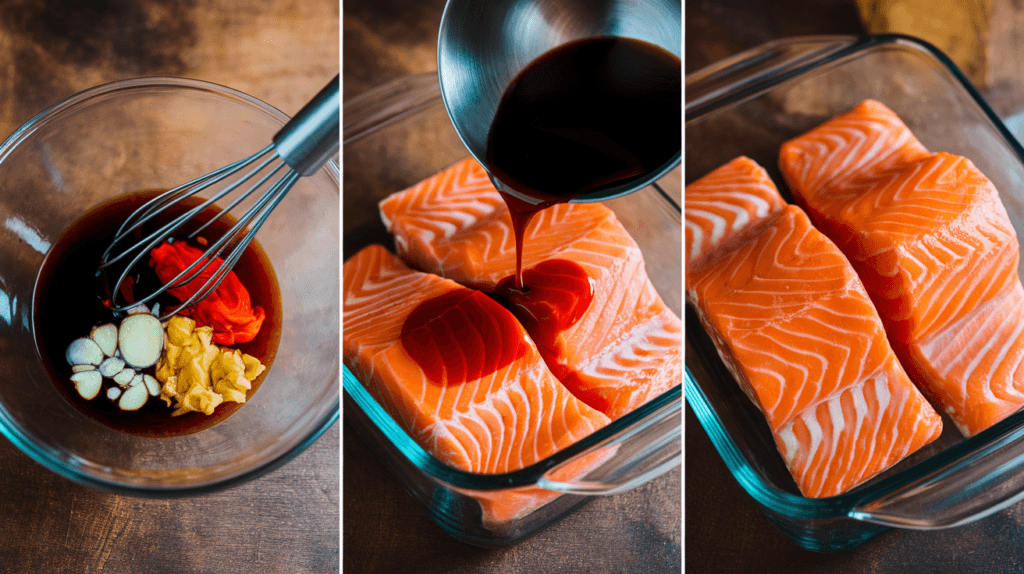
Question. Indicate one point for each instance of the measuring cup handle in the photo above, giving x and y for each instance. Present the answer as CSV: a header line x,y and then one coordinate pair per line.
x,y
388,103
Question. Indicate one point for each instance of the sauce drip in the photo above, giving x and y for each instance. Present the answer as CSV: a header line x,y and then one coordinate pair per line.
x,y
461,336
586,116
555,295
69,300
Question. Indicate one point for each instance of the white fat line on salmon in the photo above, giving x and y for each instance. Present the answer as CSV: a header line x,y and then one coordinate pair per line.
x,y
914,180
644,344
982,332
874,136
835,411
961,306
956,343
884,399
816,436
697,245
731,199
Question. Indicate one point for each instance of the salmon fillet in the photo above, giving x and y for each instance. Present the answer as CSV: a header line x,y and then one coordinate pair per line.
x,y
624,350
477,411
728,200
794,325
503,421
932,242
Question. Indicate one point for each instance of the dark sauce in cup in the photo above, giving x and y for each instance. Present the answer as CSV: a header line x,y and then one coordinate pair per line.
x,y
587,116
68,303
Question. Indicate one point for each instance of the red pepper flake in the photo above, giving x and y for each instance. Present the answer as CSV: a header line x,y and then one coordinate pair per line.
x,y
228,309
126,289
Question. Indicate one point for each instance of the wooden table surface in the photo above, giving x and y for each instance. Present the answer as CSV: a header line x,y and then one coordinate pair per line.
x,y
384,530
287,521
725,530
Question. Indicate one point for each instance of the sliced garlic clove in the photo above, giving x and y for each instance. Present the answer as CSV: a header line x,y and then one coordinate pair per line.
x,y
140,308
141,340
111,367
137,380
80,368
133,398
84,351
106,337
152,385
113,393
88,383
124,377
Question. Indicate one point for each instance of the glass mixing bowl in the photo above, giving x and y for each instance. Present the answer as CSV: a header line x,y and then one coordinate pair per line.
x,y
156,133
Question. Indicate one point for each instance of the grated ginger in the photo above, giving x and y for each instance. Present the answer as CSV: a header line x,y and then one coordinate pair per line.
x,y
196,374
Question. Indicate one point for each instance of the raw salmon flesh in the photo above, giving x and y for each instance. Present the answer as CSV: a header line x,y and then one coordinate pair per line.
x,y
491,406
796,328
624,350
933,244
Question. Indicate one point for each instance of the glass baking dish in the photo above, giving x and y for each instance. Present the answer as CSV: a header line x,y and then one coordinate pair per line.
x,y
750,104
399,134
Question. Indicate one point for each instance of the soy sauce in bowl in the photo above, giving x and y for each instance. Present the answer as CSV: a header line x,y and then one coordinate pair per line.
x,y
68,302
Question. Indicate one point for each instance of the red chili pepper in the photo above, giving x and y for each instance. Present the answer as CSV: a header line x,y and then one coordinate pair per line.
x,y
228,310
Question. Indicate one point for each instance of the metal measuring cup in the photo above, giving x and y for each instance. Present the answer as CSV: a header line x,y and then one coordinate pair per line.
x,y
483,44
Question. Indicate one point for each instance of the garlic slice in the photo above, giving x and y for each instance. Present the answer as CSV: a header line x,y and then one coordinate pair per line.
x,y
141,340
113,393
152,385
124,377
140,308
80,368
84,351
88,383
111,367
106,337
133,398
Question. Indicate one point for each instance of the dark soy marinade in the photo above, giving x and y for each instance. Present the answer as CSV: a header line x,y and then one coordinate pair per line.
x,y
461,336
69,301
555,295
464,335
587,116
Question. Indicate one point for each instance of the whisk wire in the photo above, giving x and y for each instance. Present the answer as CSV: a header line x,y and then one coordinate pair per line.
x,y
262,209
242,197
302,147
227,241
156,238
158,203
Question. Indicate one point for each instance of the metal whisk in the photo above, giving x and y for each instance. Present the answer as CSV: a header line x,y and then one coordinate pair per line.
x,y
299,149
